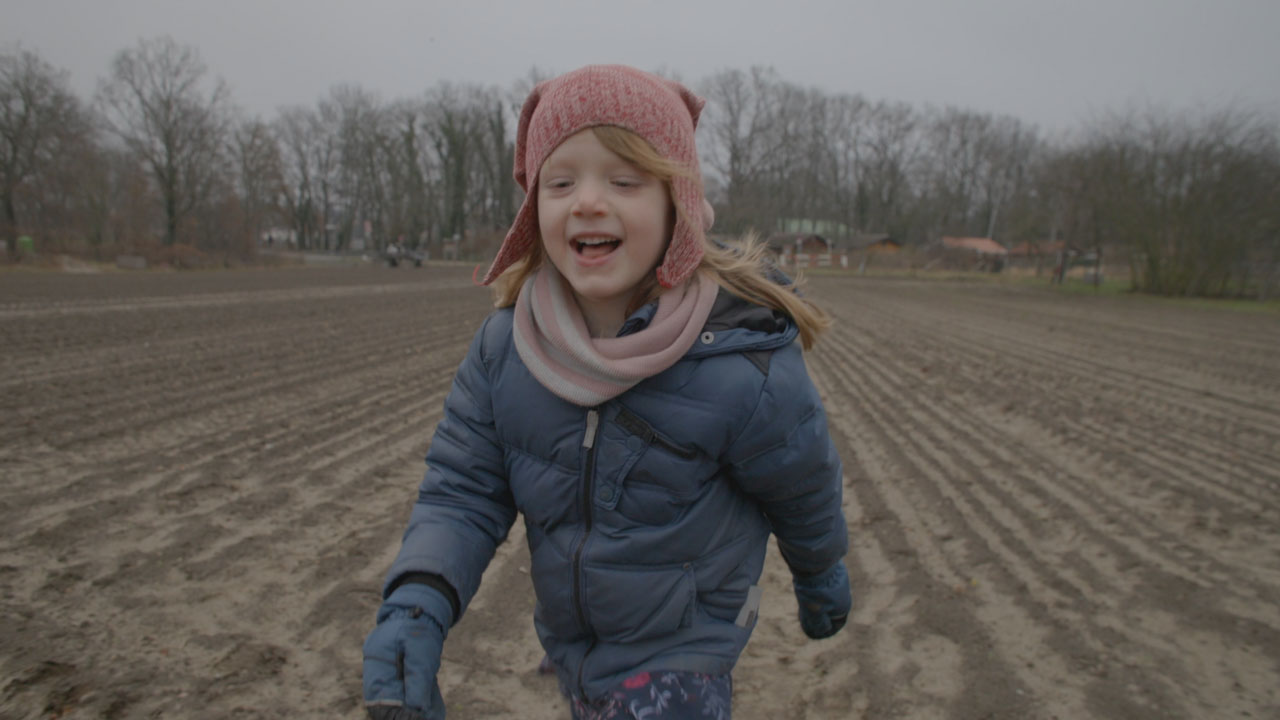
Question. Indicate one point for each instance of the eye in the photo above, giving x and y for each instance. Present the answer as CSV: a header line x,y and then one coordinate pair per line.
x,y
630,181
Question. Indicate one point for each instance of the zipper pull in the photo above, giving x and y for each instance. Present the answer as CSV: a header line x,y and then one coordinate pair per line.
x,y
593,423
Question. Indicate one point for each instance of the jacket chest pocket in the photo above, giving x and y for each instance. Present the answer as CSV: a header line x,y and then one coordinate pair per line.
x,y
645,475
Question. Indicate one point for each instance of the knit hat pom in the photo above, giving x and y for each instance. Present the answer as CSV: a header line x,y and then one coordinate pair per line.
x,y
663,112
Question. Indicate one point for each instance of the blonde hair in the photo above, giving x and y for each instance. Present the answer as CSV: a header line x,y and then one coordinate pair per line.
x,y
742,268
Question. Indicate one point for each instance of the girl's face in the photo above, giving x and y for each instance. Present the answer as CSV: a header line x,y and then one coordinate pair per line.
x,y
605,224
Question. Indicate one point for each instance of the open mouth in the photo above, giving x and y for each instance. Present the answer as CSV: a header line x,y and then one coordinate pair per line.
x,y
595,246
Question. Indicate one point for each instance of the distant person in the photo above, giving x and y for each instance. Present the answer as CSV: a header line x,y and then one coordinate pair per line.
x,y
640,397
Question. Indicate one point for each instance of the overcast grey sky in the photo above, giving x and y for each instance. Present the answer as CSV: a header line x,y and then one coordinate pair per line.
x,y
1053,63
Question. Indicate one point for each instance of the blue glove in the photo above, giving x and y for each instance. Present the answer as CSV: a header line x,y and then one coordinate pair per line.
x,y
402,655
824,601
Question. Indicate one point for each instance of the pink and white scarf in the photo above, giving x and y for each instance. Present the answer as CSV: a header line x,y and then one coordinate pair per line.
x,y
551,337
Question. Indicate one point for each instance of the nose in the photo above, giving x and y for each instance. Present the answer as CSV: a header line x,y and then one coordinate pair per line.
x,y
588,201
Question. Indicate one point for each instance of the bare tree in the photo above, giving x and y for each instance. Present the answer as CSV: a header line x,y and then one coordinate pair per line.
x,y
292,130
154,101
451,124
311,154
1190,199
356,117
297,129
259,175
115,192
40,119
407,211
973,165
957,148
889,151
495,161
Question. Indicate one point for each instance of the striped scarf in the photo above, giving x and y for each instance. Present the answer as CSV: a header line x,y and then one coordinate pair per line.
x,y
552,339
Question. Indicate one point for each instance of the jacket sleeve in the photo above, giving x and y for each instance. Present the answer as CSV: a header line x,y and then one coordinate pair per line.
x,y
785,459
465,507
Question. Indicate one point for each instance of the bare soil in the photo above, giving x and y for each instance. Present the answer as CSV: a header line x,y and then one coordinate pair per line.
x,y
1059,506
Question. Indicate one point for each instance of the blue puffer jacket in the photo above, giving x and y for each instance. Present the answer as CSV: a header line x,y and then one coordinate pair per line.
x,y
647,517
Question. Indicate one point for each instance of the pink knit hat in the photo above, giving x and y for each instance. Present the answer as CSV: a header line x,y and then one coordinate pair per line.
x,y
661,111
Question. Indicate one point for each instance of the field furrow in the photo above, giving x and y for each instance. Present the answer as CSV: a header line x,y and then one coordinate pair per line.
x,y
1059,506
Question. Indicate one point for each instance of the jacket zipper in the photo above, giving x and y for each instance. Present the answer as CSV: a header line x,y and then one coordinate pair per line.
x,y
634,425
588,470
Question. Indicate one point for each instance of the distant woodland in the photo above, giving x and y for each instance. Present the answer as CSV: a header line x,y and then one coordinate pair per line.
x,y
160,162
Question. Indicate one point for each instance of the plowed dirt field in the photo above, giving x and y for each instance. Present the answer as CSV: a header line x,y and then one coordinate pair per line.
x,y
1059,506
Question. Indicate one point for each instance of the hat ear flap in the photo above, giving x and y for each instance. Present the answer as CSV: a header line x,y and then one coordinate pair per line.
x,y
691,101
522,135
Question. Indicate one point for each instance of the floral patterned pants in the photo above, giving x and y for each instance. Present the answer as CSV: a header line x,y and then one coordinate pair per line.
x,y
664,695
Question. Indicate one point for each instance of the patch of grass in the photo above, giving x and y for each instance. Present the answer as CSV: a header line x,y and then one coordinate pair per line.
x,y
901,274
1111,286
1108,286
1122,288
1271,307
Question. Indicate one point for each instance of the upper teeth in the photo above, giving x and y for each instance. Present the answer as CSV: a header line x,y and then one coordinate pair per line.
x,y
594,240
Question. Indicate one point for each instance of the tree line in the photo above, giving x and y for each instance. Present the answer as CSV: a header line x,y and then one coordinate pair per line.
x,y
161,160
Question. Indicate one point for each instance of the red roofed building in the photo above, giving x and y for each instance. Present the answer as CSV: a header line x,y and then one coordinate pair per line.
x,y
981,246
968,253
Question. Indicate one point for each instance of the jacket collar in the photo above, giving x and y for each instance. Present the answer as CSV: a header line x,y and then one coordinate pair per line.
x,y
735,325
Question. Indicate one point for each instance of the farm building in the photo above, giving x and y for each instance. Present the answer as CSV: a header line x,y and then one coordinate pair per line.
x,y
800,249
879,244
967,253
878,250
798,243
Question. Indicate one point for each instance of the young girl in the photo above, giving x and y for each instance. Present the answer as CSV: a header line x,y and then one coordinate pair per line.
x,y
640,398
